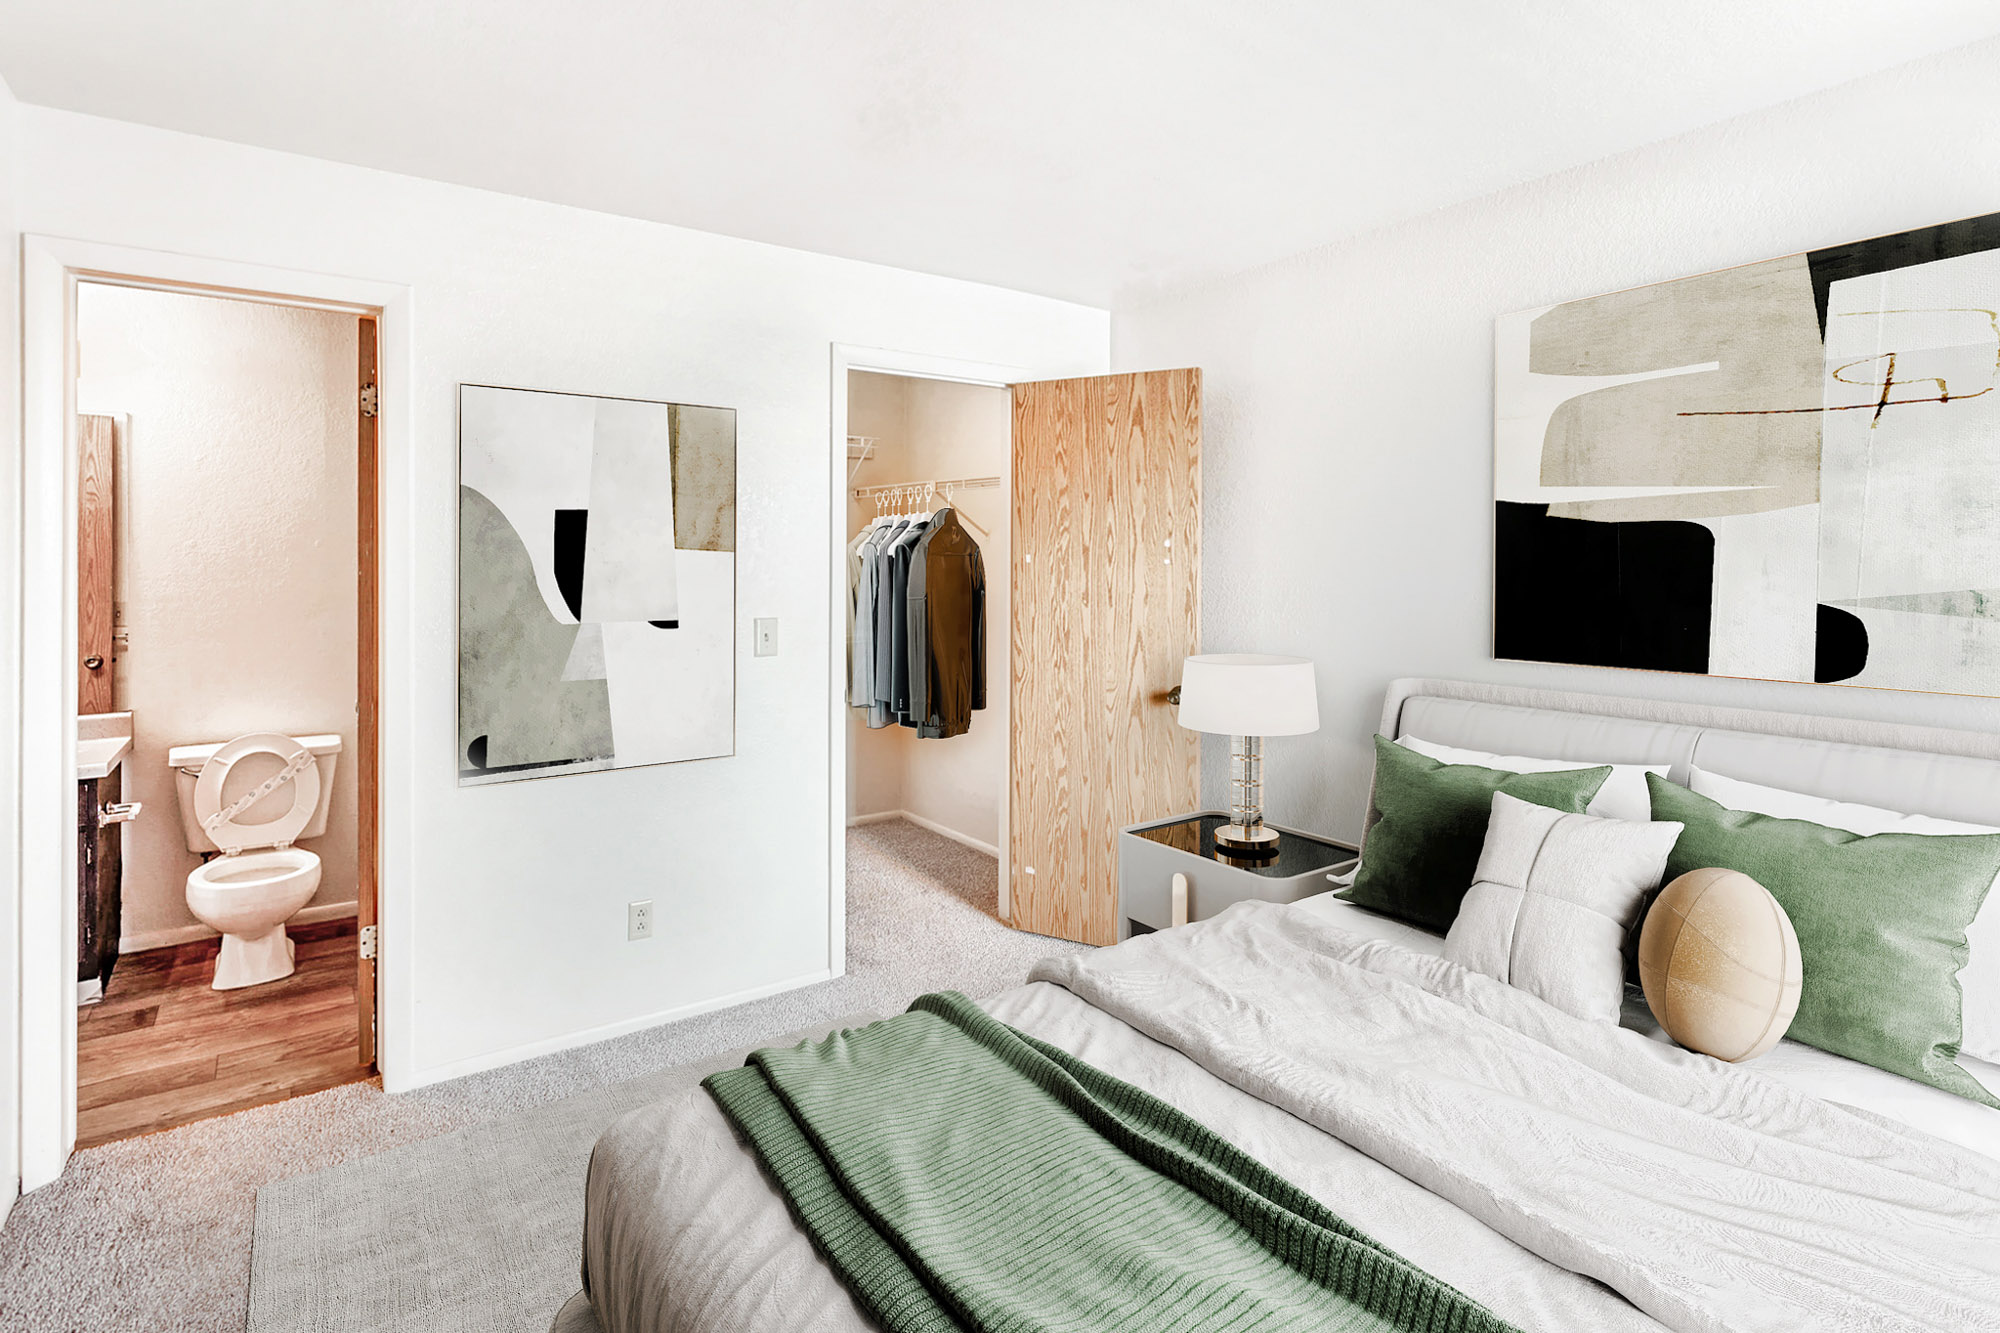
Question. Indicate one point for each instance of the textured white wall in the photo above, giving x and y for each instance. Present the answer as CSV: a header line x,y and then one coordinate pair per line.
x,y
504,931
1348,432
236,554
930,430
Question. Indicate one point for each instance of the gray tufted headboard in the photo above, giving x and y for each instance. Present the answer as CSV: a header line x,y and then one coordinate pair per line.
x,y
1934,771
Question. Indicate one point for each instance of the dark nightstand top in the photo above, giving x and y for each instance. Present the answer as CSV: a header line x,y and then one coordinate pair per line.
x,y
1298,853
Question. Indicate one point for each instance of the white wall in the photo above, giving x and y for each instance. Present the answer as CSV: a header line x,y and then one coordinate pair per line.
x,y
235,512
10,535
504,929
1348,432
929,430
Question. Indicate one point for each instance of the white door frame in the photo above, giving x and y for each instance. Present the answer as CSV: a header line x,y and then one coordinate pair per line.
x,y
46,772
910,365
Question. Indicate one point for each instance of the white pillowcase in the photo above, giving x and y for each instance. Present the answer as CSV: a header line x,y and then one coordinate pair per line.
x,y
1980,978
1552,901
1623,795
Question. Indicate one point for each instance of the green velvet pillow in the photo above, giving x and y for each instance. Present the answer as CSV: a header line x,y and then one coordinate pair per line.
x,y
1421,853
1881,923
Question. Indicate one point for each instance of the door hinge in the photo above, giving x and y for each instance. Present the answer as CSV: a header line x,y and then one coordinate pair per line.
x,y
368,941
371,400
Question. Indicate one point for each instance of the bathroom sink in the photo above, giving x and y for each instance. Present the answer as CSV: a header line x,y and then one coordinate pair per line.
x,y
102,742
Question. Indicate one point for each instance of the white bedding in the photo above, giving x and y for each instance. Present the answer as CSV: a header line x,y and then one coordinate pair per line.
x,y
1807,1068
683,1233
1707,1195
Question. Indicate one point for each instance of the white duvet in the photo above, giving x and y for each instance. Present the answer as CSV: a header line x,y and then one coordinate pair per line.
x,y
1571,1175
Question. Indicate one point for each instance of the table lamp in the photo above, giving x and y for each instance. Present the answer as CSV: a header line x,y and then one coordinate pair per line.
x,y
1248,696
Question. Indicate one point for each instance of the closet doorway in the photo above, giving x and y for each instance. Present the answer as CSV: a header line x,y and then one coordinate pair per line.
x,y
928,461
1087,497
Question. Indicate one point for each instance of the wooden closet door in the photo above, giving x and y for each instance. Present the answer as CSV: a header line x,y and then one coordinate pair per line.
x,y
1106,603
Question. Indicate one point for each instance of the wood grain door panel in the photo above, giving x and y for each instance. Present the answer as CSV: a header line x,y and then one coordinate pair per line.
x,y
96,562
1107,601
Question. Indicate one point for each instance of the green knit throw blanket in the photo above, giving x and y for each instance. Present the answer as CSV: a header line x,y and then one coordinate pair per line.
x,y
958,1174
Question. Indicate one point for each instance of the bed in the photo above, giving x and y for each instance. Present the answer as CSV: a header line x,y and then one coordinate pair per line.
x,y
1570,1176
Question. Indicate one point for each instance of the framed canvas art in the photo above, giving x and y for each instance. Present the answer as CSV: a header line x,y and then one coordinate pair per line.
x,y
596,583
1788,470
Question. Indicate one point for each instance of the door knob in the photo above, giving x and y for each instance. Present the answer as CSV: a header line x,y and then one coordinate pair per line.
x,y
93,662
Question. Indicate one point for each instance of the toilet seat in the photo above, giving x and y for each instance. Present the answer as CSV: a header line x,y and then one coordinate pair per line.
x,y
271,871
223,808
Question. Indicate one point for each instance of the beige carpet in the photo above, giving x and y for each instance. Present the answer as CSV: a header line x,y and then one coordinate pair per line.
x,y
153,1234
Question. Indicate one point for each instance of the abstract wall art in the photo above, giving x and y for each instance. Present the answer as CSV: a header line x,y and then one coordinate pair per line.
x,y
596,583
1789,470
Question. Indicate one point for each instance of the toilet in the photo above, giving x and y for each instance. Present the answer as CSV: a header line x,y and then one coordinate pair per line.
x,y
250,800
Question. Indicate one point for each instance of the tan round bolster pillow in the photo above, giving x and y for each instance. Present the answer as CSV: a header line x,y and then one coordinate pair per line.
x,y
1719,963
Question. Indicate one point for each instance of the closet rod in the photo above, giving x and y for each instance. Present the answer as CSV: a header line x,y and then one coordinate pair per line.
x,y
956,484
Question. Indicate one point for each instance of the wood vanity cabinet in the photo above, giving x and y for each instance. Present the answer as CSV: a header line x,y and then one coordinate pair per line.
x,y
99,865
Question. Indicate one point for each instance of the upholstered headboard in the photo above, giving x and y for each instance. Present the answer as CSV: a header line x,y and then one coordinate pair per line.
x,y
1933,771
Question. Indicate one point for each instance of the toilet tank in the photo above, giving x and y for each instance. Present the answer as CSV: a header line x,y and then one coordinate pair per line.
x,y
186,761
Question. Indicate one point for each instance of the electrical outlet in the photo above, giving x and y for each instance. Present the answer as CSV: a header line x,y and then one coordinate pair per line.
x,y
767,636
639,920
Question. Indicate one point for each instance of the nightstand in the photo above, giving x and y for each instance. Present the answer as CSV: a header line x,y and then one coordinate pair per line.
x,y
1151,856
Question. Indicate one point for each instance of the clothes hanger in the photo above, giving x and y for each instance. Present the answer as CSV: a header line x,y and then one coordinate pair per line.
x,y
963,517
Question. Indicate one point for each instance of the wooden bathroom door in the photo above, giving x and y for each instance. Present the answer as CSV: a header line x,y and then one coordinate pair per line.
x,y
96,562
1106,603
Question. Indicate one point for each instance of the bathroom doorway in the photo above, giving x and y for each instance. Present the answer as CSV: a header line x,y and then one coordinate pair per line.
x,y
227,683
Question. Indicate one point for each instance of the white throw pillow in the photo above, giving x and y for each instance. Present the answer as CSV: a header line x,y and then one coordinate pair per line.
x,y
1623,795
1552,901
1979,980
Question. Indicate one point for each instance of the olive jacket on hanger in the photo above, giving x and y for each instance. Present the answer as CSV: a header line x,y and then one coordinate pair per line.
x,y
946,640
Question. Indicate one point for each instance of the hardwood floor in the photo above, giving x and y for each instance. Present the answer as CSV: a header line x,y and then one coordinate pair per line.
x,y
162,1048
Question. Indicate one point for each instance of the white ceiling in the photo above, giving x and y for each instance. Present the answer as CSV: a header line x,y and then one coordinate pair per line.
x,y
1097,150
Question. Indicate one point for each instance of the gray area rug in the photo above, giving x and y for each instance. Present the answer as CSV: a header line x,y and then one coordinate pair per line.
x,y
154,1234
465,1233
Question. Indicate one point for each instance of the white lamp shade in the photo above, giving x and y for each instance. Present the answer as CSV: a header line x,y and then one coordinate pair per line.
x,y
1249,694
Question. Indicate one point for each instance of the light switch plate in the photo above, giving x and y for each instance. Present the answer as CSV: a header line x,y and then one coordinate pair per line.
x,y
767,636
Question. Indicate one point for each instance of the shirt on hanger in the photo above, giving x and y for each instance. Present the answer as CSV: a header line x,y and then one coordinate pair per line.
x,y
884,662
855,566
899,619
861,618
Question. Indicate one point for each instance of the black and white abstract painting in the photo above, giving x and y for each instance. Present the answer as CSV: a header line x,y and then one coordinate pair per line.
x,y
596,583
1788,470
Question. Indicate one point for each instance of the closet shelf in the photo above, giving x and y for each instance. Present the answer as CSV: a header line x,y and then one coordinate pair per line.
x,y
954,484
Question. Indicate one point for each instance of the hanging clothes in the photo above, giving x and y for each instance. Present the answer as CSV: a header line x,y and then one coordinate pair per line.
x,y
947,628
917,624
884,665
